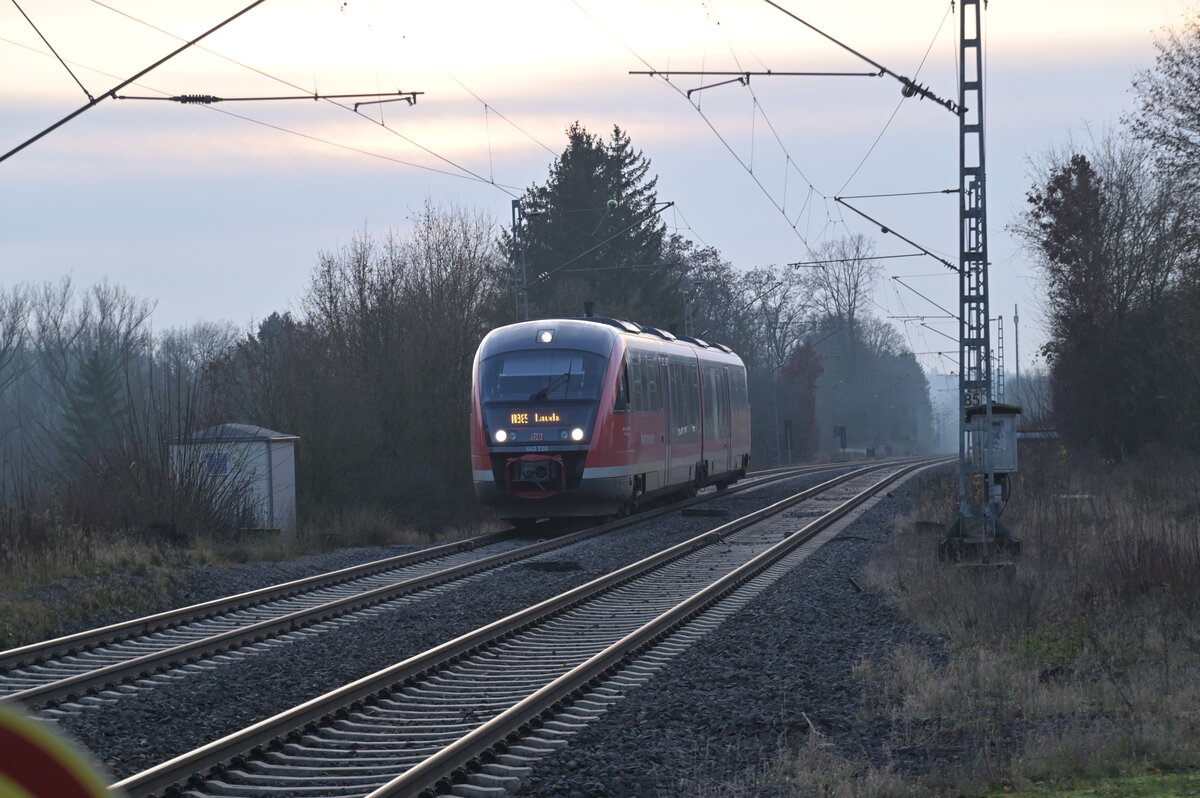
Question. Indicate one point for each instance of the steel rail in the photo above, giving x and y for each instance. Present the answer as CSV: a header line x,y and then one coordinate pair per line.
x,y
430,776
74,643
338,703
124,630
73,687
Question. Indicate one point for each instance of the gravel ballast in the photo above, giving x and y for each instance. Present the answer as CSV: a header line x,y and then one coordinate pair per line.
x,y
781,669
151,726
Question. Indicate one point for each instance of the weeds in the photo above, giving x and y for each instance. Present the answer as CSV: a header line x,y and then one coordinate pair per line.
x,y
1083,659
816,769
1079,663
57,575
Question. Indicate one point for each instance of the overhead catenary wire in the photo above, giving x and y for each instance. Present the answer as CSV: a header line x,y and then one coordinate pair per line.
x,y
900,194
655,212
758,108
853,260
279,128
51,46
380,122
208,99
707,121
489,107
887,229
112,92
687,225
909,331
927,299
910,87
896,110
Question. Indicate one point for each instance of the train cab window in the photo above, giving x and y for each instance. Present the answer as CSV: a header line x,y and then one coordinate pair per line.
x,y
535,375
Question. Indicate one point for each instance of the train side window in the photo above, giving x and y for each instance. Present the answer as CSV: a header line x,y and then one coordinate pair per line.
x,y
637,399
653,397
685,396
721,388
685,401
692,373
712,402
737,387
678,421
726,410
621,404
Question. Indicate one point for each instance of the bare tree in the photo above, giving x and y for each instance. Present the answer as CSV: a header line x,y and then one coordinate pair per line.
x,y
1168,97
781,305
842,287
375,375
14,332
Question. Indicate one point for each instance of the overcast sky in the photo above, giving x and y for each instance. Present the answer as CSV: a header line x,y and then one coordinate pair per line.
x,y
219,212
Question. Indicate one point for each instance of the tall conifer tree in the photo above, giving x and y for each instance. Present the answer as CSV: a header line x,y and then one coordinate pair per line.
x,y
591,234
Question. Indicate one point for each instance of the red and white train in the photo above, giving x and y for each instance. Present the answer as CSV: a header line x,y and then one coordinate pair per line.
x,y
589,416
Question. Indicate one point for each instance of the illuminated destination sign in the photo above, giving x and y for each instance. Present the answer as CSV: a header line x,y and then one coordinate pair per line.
x,y
518,417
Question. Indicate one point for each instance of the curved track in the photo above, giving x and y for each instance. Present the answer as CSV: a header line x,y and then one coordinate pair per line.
x,y
470,715
69,668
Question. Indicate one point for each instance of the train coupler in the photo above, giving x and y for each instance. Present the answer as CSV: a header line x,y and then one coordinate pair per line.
x,y
535,476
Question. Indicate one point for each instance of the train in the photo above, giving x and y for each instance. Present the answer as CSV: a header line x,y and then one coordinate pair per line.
x,y
592,416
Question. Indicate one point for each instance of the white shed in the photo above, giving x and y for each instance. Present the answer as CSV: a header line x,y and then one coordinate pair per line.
x,y
254,461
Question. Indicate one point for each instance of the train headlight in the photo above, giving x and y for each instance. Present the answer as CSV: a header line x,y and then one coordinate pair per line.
x,y
501,436
577,434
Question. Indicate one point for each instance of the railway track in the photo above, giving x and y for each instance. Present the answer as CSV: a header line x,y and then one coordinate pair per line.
x,y
131,655
470,716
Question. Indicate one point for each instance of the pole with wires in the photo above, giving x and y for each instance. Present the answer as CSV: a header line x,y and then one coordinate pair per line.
x,y
517,254
987,430
113,91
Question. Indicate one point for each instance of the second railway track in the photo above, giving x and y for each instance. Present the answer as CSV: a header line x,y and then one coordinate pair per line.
x,y
443,720
70,668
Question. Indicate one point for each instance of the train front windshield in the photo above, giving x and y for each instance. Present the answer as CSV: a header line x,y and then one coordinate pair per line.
x,y
541,375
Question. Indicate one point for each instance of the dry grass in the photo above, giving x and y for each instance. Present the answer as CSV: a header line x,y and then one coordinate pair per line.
x,y
1078,664
62,575
812,770
1084,659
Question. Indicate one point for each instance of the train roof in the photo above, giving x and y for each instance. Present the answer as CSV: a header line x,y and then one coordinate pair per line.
x,y
588,333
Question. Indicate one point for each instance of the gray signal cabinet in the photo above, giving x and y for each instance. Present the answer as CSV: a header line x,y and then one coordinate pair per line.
x,y
1003,437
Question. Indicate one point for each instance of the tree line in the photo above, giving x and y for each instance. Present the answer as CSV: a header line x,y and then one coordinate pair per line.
x,y
1112,223
372,368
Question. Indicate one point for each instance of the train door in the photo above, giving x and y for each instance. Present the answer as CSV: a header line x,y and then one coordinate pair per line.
x,y
717,454
666,392
717,386
684,426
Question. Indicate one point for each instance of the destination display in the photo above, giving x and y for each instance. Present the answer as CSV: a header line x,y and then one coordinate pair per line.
x,y
527,417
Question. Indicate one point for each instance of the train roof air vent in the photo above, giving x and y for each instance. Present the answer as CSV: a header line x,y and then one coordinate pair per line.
x,y
666,336
620,324
628,326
